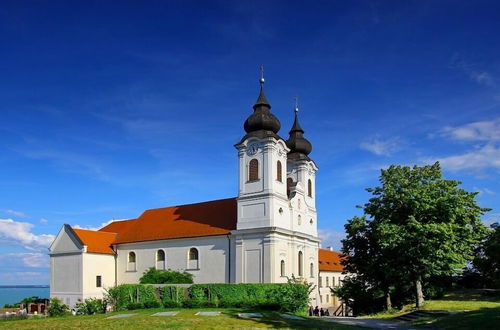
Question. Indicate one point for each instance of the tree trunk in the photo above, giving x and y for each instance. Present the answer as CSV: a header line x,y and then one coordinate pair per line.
x,y
419,295
388,302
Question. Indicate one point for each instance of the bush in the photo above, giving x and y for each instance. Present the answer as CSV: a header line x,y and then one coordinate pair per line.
x,y
57,308
294,296
152,304
155,276
121,296
135,305
172,296
90,307
290,297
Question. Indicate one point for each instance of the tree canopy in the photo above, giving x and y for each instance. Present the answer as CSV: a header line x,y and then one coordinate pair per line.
x,y
415,226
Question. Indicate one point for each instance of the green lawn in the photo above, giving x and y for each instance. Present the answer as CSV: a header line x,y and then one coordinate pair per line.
x,y
186,319
474,310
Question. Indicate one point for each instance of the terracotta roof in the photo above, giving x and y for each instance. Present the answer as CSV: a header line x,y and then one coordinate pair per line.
x,y
118,226
329,261
96,241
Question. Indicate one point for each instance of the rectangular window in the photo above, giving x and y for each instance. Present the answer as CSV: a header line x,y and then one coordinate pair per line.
x,y
320,282
321,298
327,281
327,298
98,281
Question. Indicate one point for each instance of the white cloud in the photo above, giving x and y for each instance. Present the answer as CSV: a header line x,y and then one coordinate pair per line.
x,y
331,238
490,219
15,213
479,76
94,228
19,233
382,147
484,191
487,130
44,221
28,259
482,158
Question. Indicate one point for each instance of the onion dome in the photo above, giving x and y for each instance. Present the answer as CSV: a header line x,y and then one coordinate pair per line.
x,y
262,119
299,146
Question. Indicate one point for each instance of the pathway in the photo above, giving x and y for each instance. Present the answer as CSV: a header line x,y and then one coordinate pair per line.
x,y
372,323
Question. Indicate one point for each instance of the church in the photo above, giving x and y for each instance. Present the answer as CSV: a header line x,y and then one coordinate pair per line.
x,y
264,235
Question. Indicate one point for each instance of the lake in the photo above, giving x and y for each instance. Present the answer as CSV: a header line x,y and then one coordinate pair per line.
x,y
13,294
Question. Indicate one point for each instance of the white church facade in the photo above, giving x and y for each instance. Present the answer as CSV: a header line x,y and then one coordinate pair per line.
x,y
264,235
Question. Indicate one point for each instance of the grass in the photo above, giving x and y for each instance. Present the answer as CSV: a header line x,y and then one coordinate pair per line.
x,y
474,310
186,319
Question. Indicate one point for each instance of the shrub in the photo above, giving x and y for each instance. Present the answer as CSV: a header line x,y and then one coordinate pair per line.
x,y
294,296
135,305
90,307
172,296
119,297
152,304
155,276
57,308
264,296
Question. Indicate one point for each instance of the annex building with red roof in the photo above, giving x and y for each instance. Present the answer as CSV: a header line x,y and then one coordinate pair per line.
x,y
265,234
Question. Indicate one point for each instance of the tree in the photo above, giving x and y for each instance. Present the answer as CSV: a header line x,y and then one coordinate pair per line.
x,y
417,225
367,260
487,259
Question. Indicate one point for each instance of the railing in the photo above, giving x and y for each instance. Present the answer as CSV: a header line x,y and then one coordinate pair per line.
x,y
343,310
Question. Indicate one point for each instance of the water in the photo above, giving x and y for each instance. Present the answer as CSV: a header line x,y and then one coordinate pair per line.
x,y
12,294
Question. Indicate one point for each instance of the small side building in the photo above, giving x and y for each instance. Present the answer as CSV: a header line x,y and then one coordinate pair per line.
x,y
330,276
82,264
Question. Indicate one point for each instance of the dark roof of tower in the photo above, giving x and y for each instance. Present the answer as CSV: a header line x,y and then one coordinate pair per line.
x,y
299,146
262,123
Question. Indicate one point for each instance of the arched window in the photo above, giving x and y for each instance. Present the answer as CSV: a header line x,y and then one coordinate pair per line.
x,y
253,170
299,220
160,259
311,270
279,171
301,264
131,264
282,267
309,188
193,260
289,183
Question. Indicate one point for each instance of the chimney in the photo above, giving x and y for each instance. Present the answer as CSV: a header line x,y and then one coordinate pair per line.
x,y
329,248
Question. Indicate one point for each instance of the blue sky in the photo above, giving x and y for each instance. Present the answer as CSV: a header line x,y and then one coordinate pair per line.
x,y
111,108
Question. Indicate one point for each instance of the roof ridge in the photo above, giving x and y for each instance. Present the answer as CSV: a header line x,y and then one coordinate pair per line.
x,y
196,203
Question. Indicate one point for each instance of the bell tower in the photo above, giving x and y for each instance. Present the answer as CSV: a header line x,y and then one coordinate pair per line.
x,y
262,155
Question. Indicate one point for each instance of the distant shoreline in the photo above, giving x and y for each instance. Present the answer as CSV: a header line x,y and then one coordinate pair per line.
x,y
22,286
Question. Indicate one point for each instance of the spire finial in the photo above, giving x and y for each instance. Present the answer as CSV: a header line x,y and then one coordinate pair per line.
x,y
261,80
296,99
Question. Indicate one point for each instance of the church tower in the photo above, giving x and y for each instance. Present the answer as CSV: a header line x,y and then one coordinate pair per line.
x,y
276,231
262,153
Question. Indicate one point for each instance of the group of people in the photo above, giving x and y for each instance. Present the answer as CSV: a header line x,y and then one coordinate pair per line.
x,y
318,311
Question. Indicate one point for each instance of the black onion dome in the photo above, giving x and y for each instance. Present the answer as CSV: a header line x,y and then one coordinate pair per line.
x,y
262,119
299,146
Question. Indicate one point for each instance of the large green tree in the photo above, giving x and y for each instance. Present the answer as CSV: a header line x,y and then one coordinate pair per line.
x,y
487,259
417,225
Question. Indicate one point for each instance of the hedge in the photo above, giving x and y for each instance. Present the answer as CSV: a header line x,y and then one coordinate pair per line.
x,y
132,296
264,296
290,297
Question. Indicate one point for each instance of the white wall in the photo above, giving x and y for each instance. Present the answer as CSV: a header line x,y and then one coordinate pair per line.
x,y
327,299
66,277
96,264
213,258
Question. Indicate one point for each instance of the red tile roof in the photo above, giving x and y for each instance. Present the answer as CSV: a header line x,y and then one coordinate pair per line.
x,y
96,241
192,220
118,226
329,261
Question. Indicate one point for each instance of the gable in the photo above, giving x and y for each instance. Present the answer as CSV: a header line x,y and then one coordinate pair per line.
x,y
66,242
